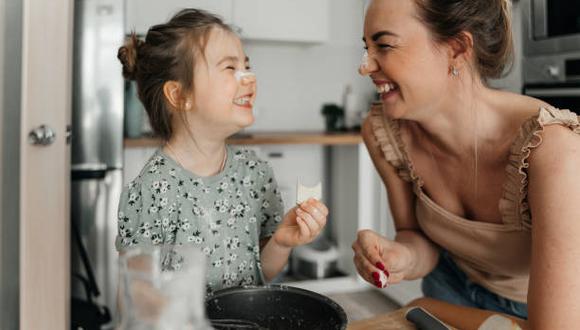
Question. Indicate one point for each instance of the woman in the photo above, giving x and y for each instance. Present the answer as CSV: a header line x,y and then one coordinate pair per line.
x,y
482,183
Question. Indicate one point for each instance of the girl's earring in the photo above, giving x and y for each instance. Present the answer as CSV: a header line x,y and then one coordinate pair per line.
x,y
187,105
454,71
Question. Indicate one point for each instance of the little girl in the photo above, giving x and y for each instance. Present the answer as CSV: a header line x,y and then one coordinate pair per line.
x,y
192,77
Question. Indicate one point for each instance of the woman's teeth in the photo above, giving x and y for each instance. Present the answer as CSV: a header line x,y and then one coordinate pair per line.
x,y
385,88
242,100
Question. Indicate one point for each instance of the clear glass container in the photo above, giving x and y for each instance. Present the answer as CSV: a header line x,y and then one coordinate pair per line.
x,y
162,288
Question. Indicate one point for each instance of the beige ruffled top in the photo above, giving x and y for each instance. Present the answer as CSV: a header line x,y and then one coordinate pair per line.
x,y
496,256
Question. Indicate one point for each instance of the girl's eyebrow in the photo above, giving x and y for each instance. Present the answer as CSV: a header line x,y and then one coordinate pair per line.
x,y
228,58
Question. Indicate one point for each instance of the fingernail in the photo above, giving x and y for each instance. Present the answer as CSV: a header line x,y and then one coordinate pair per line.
x,y
386,272
379,284
380,266
376,276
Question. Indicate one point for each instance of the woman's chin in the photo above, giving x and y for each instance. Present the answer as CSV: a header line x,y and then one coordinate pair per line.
x,y
393,111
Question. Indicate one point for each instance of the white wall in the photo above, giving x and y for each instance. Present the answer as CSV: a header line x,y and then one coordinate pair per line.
x,y
295,79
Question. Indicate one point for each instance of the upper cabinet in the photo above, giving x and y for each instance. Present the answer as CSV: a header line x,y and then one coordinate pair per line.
x,y
266,20
142,14
282,20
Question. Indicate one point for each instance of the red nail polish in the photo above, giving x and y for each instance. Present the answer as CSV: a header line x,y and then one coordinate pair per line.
x,y
386,272
379,284
380,265
376,276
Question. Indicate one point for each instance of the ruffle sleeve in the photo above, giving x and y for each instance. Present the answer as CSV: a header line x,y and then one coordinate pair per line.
x,y
388,136
513,204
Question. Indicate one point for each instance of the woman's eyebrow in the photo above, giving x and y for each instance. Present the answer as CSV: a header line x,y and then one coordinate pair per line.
x,y
379,34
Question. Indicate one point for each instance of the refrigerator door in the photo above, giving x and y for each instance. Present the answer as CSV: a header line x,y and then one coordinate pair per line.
x,y
97,127
94,200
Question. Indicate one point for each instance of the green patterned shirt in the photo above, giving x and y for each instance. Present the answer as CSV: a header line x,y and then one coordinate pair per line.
x,y
225,215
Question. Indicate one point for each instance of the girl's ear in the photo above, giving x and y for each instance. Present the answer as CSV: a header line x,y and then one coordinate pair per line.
x,y
173,94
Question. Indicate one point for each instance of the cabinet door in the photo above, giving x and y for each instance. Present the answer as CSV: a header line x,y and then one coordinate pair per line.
x,y
142,14
282,20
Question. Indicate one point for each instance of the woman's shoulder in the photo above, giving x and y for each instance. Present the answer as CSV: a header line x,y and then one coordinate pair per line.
x,y
558,133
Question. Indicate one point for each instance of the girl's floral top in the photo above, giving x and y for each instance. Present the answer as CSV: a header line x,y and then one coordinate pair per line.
x,y
225,215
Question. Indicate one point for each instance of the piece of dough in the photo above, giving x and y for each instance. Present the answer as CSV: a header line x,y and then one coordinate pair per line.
x,y
383,279
303,193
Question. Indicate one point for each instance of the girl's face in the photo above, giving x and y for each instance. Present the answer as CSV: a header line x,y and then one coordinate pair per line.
x,y
221,101
410,72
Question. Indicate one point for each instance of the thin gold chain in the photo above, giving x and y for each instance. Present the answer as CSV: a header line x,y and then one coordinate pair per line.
x,y
178,159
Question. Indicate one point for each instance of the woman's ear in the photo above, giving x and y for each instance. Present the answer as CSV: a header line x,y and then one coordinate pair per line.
x,y
173,94
461,47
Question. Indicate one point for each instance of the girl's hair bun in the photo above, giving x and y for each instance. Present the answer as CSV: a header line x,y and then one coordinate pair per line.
x,y
127,54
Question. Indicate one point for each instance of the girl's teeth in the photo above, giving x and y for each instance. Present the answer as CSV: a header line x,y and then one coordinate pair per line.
x,y
242,101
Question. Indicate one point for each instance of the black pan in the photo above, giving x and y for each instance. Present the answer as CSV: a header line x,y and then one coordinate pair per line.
x,y
273,307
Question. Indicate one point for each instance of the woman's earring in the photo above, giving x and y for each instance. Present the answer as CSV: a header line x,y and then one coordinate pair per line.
x,y
454,71
187,104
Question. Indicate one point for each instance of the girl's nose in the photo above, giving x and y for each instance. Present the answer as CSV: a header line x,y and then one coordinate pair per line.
x,y
368,65
249,79
245,77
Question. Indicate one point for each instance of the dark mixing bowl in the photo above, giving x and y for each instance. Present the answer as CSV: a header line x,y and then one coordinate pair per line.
x,y
273,307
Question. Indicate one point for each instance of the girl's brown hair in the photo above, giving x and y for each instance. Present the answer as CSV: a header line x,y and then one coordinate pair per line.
x,y
489,22
167,54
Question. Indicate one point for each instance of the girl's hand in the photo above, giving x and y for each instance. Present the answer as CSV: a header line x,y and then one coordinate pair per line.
x,y
301,224
381,261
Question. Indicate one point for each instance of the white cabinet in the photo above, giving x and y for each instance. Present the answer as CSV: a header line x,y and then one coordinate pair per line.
x,y
282,20
266,20
142,14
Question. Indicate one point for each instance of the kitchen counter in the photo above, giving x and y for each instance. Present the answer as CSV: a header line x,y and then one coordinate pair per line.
x,y
389,321
322,138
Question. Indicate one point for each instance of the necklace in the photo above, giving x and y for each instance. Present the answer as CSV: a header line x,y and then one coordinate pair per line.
x,y
178,159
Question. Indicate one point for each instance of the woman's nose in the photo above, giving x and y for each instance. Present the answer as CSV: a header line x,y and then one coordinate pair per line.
x,y
368,65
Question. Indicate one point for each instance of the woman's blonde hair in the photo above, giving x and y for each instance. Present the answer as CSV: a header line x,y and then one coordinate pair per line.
x,y
488,21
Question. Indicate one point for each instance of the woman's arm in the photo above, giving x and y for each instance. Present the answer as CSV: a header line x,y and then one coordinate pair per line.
x,y
401,201
554,197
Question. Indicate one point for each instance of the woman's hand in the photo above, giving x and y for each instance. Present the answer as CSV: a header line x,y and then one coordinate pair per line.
x,y
301,224
381,261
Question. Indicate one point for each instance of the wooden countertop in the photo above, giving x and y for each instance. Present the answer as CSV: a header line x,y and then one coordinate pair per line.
x,y
394,320
391,321
323,138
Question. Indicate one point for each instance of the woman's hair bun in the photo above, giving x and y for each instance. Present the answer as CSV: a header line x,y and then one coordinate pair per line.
x,y
127,54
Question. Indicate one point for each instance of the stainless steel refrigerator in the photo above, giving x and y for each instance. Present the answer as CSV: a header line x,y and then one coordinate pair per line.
x,y
97,141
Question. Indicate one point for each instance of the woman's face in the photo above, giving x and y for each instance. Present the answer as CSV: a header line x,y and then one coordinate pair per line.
x,y
410,72
221,101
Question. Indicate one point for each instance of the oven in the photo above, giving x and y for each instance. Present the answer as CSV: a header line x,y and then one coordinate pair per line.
x,y
560,95
551,26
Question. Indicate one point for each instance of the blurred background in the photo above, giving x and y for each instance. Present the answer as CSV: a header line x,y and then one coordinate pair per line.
x,y
73,133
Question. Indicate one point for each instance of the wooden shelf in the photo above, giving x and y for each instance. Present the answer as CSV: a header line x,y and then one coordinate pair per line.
x,y
323,138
